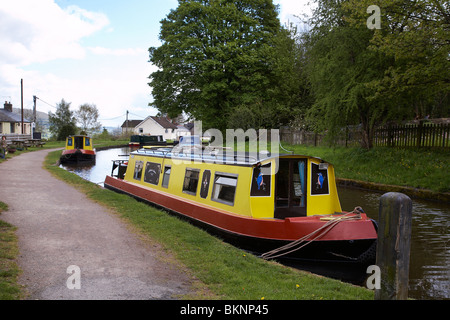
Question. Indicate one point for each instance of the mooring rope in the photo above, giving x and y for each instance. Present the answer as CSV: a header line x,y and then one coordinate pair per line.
x,y
298,244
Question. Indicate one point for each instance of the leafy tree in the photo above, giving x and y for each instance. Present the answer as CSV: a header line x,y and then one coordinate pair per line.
x,y
340,67
87,117
415,35
216,58
288,96
63,122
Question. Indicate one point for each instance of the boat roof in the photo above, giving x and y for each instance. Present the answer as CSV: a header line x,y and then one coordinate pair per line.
x,y
78,135
214,155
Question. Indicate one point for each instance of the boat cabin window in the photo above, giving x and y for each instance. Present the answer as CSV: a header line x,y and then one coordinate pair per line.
x,y
290,188
261,181
319,179
138,170
191,181
69,142
152,171
224,188
166,176
87,142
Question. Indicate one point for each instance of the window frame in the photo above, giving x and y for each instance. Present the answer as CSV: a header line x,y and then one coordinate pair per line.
x,y
166,175
325,189
137,175
217,175
194,193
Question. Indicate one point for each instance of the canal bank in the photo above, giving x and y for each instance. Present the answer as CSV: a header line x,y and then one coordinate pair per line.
x,y
422,172
228,272
430,256
415,193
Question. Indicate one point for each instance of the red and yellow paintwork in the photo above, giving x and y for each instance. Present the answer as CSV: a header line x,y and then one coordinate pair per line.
x,y
250,222
78,149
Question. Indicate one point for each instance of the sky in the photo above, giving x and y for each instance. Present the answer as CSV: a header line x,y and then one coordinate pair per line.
x,y
87,51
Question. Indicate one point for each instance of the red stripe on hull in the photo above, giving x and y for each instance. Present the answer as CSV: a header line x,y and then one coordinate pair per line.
x,y
74,151
289,229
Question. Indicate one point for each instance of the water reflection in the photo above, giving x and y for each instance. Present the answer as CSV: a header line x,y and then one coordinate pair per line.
x,y
429,276
430,245
97,172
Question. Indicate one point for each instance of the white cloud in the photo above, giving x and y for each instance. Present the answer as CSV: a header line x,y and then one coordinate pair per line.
x,y
46,45
36,36
39,31
118,52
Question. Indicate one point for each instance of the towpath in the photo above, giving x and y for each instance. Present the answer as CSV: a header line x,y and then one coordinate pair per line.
x,y
59,227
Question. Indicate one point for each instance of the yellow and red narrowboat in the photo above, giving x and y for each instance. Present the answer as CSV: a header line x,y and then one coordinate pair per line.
x,y
79,149
273,205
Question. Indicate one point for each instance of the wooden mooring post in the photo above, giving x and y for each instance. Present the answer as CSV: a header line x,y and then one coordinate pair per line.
x,y
393,247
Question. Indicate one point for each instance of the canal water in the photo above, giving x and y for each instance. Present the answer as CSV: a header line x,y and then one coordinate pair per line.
x,y
429,277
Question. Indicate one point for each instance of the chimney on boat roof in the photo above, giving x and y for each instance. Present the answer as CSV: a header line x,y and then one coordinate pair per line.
x,y
8,106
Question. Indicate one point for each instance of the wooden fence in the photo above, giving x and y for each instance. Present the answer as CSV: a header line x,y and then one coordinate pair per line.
x,y
16,136
414,135
418,134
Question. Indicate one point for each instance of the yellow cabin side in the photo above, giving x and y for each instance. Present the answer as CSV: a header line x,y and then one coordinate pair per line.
x,y
289,186
79,142
174,175
328,202
288,196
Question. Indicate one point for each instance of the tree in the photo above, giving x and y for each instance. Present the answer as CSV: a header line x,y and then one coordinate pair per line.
x,y
63,122
216,56
288,96
415,35
342,70
87,117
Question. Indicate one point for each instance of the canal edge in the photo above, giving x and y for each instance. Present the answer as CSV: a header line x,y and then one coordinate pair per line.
x,y
412,192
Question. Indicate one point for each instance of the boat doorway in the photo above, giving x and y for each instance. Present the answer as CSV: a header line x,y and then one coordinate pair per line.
x,y
290,188
78,143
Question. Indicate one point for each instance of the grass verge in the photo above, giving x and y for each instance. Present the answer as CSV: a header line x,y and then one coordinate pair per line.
x,y
9,271
416,168
228,272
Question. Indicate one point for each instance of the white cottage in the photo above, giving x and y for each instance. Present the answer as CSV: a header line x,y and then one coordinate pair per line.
x,y
155,126
11,123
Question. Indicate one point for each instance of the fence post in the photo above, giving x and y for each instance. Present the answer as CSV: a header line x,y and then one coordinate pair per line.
x,y
393,247
419,133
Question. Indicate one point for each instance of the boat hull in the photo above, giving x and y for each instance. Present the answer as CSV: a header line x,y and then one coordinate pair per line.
x,y
77,156
349,241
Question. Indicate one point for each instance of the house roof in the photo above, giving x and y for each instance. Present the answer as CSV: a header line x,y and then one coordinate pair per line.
x,y
6,116
164,122
131,123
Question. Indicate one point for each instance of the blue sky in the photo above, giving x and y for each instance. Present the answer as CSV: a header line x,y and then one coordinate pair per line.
x,y
86,51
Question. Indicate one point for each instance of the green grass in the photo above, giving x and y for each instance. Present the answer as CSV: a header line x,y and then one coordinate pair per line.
x,y
227,272
9,271
417,168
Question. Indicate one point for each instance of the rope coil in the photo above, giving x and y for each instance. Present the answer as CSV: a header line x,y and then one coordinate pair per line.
x,y
317,234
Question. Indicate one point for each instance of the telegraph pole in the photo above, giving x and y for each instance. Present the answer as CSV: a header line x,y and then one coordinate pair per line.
x,y
127,121
21,89
34,114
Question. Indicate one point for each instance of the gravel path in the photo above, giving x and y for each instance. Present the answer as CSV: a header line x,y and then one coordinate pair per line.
x,y
59,227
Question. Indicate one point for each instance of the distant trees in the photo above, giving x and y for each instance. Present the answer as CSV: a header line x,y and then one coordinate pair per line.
x,y
63,122
87,117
